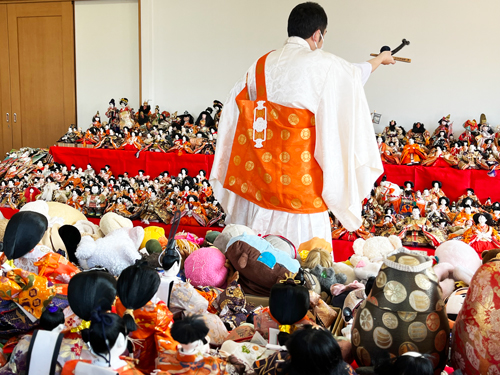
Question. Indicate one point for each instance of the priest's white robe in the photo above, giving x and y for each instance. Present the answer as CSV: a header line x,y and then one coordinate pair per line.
x,y
346,149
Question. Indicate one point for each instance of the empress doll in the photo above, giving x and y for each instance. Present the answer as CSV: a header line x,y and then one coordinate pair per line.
x,y
125,114
481,236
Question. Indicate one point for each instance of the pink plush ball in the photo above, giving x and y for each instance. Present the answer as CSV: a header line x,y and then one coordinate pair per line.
x,y
205,267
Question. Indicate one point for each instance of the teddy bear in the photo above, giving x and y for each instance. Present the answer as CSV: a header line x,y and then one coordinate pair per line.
x,y
115,252
327,277
456,261
369,254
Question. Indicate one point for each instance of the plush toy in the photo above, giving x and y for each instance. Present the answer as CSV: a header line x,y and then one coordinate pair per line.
x,y
69,214
323,257
314,243
259,264
115,252
403,312
476,332
454,304
488,255
230,231
369,254
206,267
112,221
327,277
152,233
457,261
281,243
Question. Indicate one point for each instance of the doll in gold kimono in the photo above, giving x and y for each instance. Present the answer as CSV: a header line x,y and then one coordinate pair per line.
x,y
75,200
419,134
415,231
386,227
469,159
125,114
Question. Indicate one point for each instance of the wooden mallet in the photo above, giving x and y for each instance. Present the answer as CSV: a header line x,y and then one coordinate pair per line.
x,y
395,50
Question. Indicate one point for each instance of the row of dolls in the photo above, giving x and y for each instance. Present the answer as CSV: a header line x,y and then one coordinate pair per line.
x,y
426,219
147,313
171,133
94,194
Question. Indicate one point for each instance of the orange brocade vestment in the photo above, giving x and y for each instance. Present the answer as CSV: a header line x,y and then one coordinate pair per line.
x,y
272,159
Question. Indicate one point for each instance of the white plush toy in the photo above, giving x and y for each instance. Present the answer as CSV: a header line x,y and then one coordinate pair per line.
x,y
230,231
369,254
115,252
456,261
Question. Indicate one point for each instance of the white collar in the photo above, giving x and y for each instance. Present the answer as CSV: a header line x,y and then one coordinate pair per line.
x,y
297,40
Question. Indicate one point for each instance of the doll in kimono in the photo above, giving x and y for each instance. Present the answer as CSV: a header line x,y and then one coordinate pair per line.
x,y
415,231
205,120
394,133
412,153
96,202
481,235
420,135
386,152
489,162
444,127
143,115
439,157
125,114
193,213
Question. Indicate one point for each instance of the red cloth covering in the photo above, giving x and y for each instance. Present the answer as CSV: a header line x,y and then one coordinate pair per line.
x,y
197,230
153,163
455,181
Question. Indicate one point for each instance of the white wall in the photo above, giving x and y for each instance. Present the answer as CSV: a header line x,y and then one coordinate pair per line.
x,y
107,56
200,48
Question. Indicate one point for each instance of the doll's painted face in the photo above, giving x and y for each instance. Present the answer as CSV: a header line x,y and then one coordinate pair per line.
x,y
411,141
95,189
467,210
415,213
191,199
387,219
481,220
186,188
433,206
176,189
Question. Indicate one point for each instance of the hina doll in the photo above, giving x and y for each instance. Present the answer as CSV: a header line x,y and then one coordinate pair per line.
x,y
420,135
89,139
109,141
125,114
407,199
205,120
469,194
218,110
112,113
414,232
486,133
444,127
394,133
132,142
193,213
75,200
187,120
386,227
462,221
441,140
207,147
443,207
214,212
439,158
386,153
143,115
436,190
48,190
469,159
96,202
489,162
440,230
433,215
481,236
495,208
412,153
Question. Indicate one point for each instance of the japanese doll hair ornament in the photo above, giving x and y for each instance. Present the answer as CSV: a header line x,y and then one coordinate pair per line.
x,y
51,317
313,351
91,289
136,286
23,232
123,101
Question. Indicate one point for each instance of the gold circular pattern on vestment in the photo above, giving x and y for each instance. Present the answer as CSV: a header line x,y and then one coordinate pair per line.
x,y
317,202
407,316
285,157
267,178
296,203
381,279
305,134
285,180
417,331
267,157
285,134
392,258
307,179
237,160
366,320
440,341
422,281
258,195
242,139
390,320
269,134
232,180
364,356
407,347
382,338
395,292
250,133
431,274
274,113
408,260
433,321
419,301
244,187
355,337
249,165
274,201
305,156
313,121
293,119
259,69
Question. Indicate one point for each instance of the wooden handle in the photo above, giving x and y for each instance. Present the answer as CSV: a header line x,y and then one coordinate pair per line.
x,y
402,59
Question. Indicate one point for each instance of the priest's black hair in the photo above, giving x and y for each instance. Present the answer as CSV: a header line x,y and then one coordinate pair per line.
x,y
136,286
305,19
403,365
89,290
23,232
103,332
189,329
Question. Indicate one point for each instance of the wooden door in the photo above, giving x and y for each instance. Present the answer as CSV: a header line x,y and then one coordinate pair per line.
x,y
42,71
5,111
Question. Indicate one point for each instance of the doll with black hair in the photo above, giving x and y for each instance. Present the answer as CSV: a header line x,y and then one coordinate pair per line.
x,y
394,133
146,319
96,202
419,134
410,363
192,212
205,120
125,114
192,350
308,351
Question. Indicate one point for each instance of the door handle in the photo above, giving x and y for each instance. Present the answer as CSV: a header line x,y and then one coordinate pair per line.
x,y
7,116
15,117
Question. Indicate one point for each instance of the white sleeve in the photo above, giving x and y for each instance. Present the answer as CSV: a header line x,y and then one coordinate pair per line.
x,y
346,148
366,70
